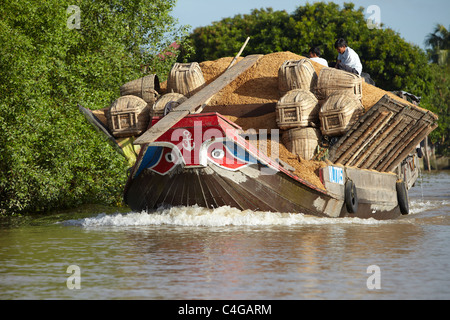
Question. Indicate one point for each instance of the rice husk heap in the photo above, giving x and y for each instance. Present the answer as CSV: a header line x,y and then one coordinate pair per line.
x,y
259,85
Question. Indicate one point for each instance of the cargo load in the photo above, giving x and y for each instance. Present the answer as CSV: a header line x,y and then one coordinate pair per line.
x,y
147,88
296,74
128,116
185,78
339,113
297,108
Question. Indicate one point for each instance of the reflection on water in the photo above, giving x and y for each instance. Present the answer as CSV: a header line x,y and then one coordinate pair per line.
x,y
196,253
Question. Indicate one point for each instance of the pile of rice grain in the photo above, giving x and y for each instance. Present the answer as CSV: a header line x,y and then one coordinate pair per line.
x,y
259,85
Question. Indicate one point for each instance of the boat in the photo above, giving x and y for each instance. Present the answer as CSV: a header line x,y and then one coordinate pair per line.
x,y
197,156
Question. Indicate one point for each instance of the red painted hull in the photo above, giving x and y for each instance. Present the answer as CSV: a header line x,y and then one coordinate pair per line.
x,y
225,170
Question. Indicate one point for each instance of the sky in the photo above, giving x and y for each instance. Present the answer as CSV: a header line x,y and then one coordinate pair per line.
x,y
412,19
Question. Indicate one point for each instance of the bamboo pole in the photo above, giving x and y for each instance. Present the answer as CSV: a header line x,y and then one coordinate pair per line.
x,y
377,126
364,136
366,164
427,154
239,53
413,142
404,148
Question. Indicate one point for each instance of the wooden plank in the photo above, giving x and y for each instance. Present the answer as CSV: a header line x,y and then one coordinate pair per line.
x,y
378,126
411,146
357,144
197,100
411,140
371,151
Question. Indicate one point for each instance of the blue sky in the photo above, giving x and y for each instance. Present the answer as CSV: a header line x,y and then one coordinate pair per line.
x,y
412,19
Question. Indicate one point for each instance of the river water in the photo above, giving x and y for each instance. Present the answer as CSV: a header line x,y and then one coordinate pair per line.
x,y
194,253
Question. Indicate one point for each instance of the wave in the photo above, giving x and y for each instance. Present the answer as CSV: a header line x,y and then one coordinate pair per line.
x,y
198,216
419,205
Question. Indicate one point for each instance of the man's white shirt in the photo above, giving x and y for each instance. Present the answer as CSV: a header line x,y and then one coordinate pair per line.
x,y
350,58
322,61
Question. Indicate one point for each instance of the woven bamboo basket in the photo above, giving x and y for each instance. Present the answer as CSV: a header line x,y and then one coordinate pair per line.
x,y
185,78
128,116
339,113
169,100
333,80
297,108
146,88
302,141
296,74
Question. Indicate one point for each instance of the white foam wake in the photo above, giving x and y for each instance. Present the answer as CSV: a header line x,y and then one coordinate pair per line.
x,y
198,216
419,205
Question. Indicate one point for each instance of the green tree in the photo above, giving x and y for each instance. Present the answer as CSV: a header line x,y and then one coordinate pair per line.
x,y
439,41
392,62
50,157
438,101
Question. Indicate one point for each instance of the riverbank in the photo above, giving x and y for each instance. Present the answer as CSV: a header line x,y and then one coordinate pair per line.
x,y
436,163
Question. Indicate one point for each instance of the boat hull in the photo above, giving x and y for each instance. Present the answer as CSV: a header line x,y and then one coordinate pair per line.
x,y
212,188
228,171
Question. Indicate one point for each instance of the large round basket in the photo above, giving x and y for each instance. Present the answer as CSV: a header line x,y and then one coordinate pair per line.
x,y
146,88
296,74
166,103
128,116
297,108
185,78
332,80
302,141
338,114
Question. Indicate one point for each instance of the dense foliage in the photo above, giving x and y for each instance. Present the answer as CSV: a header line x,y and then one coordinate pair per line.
x,y
50,157
439,43
438,101
392,62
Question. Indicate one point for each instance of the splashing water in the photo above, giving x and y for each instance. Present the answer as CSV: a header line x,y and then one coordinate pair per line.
x,y
223,216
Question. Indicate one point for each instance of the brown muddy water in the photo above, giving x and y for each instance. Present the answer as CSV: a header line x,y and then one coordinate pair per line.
x,y
195,253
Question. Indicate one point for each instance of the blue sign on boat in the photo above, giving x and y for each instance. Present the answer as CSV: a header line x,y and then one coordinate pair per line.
x,y
336,175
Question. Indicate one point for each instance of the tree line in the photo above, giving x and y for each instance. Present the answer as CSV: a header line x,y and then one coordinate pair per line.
x,y
393,63
55,54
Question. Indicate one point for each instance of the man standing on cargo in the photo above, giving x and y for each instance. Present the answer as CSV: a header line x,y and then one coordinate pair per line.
x,y
348,59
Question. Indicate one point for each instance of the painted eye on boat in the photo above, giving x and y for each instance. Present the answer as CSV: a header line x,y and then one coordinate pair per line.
x,y
169,157
218,154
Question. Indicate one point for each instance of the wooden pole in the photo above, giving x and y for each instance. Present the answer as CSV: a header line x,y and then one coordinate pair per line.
x,y
239,53
427,154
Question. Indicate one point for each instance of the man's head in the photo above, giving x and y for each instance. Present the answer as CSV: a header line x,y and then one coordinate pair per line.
x,y
340,45
314,52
